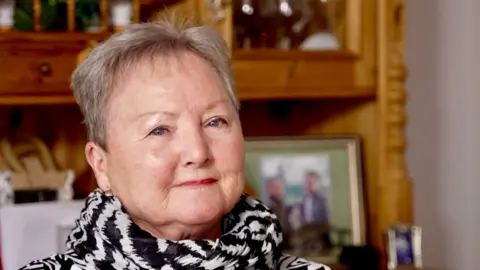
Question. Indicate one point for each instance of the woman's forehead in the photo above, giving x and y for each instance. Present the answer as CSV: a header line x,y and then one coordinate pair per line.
x,y
185,77
168,69
194,87
164,65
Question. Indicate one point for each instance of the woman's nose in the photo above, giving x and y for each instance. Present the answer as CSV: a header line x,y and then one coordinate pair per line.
x,y
195,150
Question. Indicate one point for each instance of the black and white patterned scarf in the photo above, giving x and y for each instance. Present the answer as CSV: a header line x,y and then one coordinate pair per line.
x,y
106,238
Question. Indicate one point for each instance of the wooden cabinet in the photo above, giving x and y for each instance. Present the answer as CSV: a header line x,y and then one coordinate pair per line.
x,y
357,88
36,67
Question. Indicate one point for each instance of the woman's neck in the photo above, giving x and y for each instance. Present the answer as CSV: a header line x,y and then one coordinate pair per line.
x,y
176,232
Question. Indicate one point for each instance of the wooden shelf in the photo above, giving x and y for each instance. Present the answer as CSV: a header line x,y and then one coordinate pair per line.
x,y
45,36
280,74
292,55
14,100
158,4
300,93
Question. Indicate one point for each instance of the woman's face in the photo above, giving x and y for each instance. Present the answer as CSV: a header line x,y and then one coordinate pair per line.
x,y
175,145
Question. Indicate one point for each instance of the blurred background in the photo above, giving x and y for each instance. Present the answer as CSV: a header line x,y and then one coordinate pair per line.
x,y
400,75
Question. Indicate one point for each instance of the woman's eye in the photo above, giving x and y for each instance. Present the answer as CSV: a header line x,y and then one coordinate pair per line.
x,y
217,122
159,131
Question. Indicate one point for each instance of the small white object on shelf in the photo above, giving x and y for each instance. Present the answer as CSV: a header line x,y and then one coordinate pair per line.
x,y
320,41
65,193
7,8
121,13
6,189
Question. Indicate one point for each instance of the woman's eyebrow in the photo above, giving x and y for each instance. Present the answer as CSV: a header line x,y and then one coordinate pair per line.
x,y
150,113
216,103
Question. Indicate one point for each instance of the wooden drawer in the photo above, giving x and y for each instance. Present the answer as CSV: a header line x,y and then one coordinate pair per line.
x,y
261,74
43,70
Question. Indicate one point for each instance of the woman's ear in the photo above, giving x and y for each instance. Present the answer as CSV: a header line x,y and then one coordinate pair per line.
x,y
97,159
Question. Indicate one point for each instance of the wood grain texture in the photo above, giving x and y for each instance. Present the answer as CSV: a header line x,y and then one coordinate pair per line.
x,y
71,15
43,70
294,55
394,184
104,15
51,38
37,15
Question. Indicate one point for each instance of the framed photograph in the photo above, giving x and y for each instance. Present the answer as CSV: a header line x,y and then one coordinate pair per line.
x,y
404,246
314,186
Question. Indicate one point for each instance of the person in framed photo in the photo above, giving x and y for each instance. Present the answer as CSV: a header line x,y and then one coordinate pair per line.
x,y
314,207
314,212
276,194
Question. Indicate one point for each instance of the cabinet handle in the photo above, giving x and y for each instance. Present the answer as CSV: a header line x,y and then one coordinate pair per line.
x,y
45,69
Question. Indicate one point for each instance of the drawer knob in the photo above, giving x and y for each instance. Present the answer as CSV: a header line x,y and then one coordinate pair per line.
x,y
45,69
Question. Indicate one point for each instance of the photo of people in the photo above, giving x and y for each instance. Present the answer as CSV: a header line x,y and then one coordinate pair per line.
x,y
297,189
314,186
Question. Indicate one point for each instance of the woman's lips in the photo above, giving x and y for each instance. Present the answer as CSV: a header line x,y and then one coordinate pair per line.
x,y
198,183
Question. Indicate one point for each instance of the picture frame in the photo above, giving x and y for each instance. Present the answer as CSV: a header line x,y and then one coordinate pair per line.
x,y
403,243
314,185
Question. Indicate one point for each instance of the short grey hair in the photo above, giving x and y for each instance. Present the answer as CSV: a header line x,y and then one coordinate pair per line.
x,y
94,79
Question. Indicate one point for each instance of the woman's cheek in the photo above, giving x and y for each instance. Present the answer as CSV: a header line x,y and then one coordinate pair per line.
x,y
156,165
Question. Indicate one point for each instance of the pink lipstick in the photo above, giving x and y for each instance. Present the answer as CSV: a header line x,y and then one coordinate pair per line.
x,y
198,183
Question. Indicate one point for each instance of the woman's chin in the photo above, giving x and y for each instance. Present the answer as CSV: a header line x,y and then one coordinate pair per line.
x,y
194,206
199,213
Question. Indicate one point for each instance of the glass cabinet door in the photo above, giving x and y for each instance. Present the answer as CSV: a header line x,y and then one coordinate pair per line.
x,y
285,25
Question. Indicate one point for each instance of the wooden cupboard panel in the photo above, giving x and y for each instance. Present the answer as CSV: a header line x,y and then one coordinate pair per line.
x,y
285,78
41,71
269,74
35,99
276,74
299,93
322,74
42,39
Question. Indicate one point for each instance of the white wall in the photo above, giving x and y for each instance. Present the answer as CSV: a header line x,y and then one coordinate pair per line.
x,y
443,59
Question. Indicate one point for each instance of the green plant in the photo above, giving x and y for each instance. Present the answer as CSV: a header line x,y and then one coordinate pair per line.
x,y
54,14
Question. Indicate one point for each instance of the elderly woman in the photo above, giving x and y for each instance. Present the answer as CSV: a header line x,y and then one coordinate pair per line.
x,y
167,150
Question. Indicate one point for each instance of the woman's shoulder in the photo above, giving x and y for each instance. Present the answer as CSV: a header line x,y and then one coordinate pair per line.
x,y
66,261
